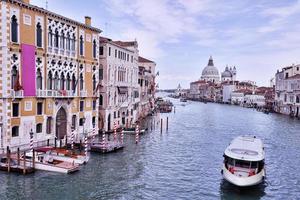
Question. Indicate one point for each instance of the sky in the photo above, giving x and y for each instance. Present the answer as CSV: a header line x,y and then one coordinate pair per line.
x,y
258,37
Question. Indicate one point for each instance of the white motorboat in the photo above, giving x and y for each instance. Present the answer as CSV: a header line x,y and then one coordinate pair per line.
x,y
64,155
47,162
244,161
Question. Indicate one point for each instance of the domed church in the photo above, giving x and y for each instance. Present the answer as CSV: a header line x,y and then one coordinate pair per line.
x,y
229,74
210,72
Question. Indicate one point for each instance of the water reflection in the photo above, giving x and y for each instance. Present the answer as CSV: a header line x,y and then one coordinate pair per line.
x,y
229,191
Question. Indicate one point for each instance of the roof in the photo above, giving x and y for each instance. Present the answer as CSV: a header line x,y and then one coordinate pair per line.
x,y
144,60
52,14
110,41
126,44
247,148
297,76
199,82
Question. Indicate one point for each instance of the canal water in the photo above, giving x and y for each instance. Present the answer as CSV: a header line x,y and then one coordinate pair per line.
x,y
183,163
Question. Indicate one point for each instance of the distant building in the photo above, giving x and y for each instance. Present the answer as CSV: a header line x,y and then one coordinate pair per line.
x,y
210,73
287,91
178,91
227,90
147,86
229,74
254,100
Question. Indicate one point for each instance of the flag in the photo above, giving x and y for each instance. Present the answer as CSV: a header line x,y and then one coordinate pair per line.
x,y
18,86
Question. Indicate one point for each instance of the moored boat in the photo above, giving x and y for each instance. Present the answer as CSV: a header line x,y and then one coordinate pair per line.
x,y
64,155
48,162
244,161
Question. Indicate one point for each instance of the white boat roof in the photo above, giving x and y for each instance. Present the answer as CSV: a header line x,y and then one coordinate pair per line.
x,y
247,148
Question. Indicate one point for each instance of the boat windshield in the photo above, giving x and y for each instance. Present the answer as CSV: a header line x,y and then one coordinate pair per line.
x,y
243,163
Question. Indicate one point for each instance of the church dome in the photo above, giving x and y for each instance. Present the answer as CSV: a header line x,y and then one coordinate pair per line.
x,y
210,71
226,73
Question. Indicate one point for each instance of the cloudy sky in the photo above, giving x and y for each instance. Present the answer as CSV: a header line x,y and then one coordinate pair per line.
x,y
258,37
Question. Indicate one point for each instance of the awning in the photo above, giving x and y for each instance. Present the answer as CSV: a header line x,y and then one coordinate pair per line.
x,y
123,90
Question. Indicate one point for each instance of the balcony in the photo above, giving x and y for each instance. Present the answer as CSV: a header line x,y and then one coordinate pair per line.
x,y
56,93
83,93
17,94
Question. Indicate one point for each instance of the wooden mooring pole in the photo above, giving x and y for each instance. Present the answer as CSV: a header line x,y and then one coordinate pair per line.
x,y
24,163
33,158
8,158
167,123
18,156
161,125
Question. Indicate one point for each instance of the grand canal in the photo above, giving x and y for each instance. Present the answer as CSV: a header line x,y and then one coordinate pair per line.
x,y
183,163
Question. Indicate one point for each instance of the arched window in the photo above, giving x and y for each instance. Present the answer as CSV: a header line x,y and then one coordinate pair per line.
x,y
50,81
73,82
94,82
81,46
14,74
73,41
94,49
14,29
101,100
56,37
38,35
50,37
39,79
81,82
62,40
68,83
56,81
68,41
62,82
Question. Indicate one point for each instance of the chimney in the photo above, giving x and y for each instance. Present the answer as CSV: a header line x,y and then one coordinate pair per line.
x,y
88,20
26,1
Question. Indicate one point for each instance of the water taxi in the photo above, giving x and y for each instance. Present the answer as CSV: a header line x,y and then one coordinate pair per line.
x,y
48,162
244,161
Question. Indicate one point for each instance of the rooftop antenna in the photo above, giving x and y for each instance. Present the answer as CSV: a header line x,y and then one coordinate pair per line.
x,y
46,4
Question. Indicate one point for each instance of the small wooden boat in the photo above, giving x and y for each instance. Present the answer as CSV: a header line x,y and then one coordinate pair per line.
x,y
48,162
64,155
132,131
106,147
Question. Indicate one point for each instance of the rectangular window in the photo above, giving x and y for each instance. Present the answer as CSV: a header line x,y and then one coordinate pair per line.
x,y
115,115
81,122
101,51
81,106
94,104
100,74
15,110
132,59
127,57
39,128
116,53
49,124
94,122
15,131
39,108
74,122
109,51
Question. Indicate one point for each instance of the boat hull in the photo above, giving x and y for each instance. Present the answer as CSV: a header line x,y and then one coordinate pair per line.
x,y
243,181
